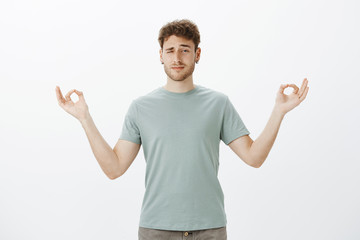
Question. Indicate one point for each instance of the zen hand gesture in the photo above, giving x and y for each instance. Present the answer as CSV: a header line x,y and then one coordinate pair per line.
x,y
79,109
285,103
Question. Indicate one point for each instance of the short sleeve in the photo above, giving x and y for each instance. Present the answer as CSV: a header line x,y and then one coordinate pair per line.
x,y
130,130
232,126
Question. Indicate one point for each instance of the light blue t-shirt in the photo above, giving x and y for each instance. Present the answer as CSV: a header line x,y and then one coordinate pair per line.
x,y
180,134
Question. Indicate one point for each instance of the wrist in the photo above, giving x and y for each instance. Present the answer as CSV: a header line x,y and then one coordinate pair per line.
x,y
279,111
85,119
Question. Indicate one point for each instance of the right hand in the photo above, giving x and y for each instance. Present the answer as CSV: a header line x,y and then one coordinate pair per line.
x,y
79,109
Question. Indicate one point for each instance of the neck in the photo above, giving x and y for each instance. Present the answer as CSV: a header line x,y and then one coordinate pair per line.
x,y
179,86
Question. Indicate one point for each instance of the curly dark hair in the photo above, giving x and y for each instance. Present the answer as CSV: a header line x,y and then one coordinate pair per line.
x,y
180,28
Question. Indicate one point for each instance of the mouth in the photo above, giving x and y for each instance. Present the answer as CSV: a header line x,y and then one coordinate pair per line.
x,y
177,68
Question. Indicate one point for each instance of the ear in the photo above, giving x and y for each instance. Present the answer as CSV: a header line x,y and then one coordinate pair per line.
x,y
197,54
161,58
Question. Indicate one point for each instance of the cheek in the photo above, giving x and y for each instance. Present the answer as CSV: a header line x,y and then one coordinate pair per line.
x,y
188,58
166,58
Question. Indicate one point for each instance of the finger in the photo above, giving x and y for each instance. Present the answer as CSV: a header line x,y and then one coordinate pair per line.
x,y
305,93
303,87
282,88
80,94
59,95
67,97
296,89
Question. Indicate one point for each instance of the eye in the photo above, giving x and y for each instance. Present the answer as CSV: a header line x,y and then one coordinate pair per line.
x,y
186,50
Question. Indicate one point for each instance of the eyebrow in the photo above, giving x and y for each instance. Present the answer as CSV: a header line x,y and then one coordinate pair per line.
x,y
182,45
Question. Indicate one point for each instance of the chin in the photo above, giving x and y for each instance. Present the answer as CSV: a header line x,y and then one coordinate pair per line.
x,y
176,79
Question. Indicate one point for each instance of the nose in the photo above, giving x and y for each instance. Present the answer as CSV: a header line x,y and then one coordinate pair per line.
x,y
177,57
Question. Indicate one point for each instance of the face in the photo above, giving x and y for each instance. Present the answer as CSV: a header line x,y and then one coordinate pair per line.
x,y
179,57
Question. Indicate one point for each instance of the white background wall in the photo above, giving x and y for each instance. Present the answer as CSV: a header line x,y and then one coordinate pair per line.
x,y
51,185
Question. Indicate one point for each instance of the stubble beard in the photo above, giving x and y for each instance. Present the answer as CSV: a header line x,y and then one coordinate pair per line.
x,y
181,75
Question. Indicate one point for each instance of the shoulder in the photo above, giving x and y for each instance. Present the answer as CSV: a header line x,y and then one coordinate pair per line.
x,y
147,97
214,94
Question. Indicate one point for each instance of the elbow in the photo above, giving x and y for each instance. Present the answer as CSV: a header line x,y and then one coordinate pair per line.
x,y
113,176
257,163
114,173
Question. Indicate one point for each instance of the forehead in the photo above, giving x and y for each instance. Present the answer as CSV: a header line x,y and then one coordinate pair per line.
x,y
175,41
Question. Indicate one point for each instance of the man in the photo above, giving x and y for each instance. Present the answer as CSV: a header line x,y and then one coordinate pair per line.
x,y
180,126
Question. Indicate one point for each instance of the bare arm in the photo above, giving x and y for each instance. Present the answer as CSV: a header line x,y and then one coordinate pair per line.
x,y
126,152
255,152
114,162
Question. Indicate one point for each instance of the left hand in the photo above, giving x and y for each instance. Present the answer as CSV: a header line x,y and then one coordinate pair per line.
x,y
284,103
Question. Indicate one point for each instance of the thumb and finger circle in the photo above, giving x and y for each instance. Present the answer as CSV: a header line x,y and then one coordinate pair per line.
x,y
67,96
79,93
284,86
300,92
296,88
